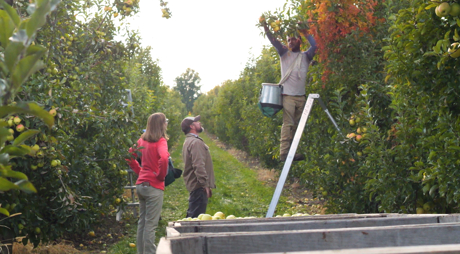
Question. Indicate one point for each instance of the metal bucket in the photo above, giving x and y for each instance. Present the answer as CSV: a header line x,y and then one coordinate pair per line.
x,y
271,95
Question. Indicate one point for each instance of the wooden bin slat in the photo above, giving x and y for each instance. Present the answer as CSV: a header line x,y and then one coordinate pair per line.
x,y
318,239
432,249
292,218
315,224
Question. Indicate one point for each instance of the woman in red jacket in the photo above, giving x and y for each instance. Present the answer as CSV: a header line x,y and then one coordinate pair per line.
x,y
151,181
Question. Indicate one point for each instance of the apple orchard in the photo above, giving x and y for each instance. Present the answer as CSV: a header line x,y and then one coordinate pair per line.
x,y
388,71
64,128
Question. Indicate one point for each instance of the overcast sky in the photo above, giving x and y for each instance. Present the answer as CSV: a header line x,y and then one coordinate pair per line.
x,y
213,37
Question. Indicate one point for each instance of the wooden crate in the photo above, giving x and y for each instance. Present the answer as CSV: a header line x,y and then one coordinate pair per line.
x,y
380,232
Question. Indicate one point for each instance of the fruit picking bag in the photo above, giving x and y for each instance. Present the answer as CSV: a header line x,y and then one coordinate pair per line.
x,y
172,174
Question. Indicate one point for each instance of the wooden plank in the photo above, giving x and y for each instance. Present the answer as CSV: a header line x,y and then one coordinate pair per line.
x,y
317,239
164,246
193,245
436,249
449,218
172,232
311,224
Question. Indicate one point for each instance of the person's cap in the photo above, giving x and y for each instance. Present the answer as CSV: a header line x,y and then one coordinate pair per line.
x,y
188,121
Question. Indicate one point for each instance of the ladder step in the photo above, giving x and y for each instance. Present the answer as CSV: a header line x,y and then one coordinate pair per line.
x,y
130,187
133,204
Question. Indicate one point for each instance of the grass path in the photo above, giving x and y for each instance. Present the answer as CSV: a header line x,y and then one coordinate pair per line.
x,y
238,192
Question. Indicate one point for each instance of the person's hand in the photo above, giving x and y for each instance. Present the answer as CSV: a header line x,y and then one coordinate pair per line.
x,y
263,22
208,192
303,27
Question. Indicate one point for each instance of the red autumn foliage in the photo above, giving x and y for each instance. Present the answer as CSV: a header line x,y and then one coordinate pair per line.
x,y
332,20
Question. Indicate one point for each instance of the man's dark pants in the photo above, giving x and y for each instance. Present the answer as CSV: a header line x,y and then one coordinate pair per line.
x,y
197,203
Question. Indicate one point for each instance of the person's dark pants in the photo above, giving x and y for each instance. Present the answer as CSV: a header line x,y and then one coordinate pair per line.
x,y
197,203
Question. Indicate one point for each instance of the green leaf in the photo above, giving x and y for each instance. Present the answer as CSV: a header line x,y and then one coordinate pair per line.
x,y
26,67
433,189
38,17
431,6
43,114
4,211
26,186
13,174
454,147
446,35
426,188
6,185
431,53
34,49
15,150
4,158
4,133
11,12
12,52
6,28
30,108
24,136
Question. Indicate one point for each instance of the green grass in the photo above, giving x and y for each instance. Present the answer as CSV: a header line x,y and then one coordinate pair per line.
x,y
238,192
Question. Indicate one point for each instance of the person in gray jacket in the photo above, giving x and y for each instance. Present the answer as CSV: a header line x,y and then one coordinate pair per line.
x,y
294,97
198,169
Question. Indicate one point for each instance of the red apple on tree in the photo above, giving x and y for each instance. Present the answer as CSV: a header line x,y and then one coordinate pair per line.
x,y
53,112
20,128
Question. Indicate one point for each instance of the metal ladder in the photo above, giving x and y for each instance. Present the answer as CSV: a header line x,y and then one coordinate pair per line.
x,y
293,149
131,186
133,203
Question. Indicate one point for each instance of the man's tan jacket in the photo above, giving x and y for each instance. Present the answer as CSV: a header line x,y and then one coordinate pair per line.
x,y
198,169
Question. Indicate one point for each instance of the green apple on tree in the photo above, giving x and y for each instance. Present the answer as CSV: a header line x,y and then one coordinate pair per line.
x,y
16,120
454,9
443,9
419,210
35,148
54,163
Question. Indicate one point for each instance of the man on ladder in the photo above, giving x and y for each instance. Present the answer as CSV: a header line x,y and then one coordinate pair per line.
x,y
294,86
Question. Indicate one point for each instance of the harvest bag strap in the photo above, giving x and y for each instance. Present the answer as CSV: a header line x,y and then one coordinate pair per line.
x,y
295,63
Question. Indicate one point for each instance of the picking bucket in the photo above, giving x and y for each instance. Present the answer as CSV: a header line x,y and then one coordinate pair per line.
x,y
271,99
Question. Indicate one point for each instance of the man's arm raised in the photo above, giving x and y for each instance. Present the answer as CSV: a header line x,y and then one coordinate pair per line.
x,y
277,44
312,50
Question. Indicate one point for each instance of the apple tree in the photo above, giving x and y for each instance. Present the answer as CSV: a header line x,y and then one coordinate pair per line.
x,y
78,165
